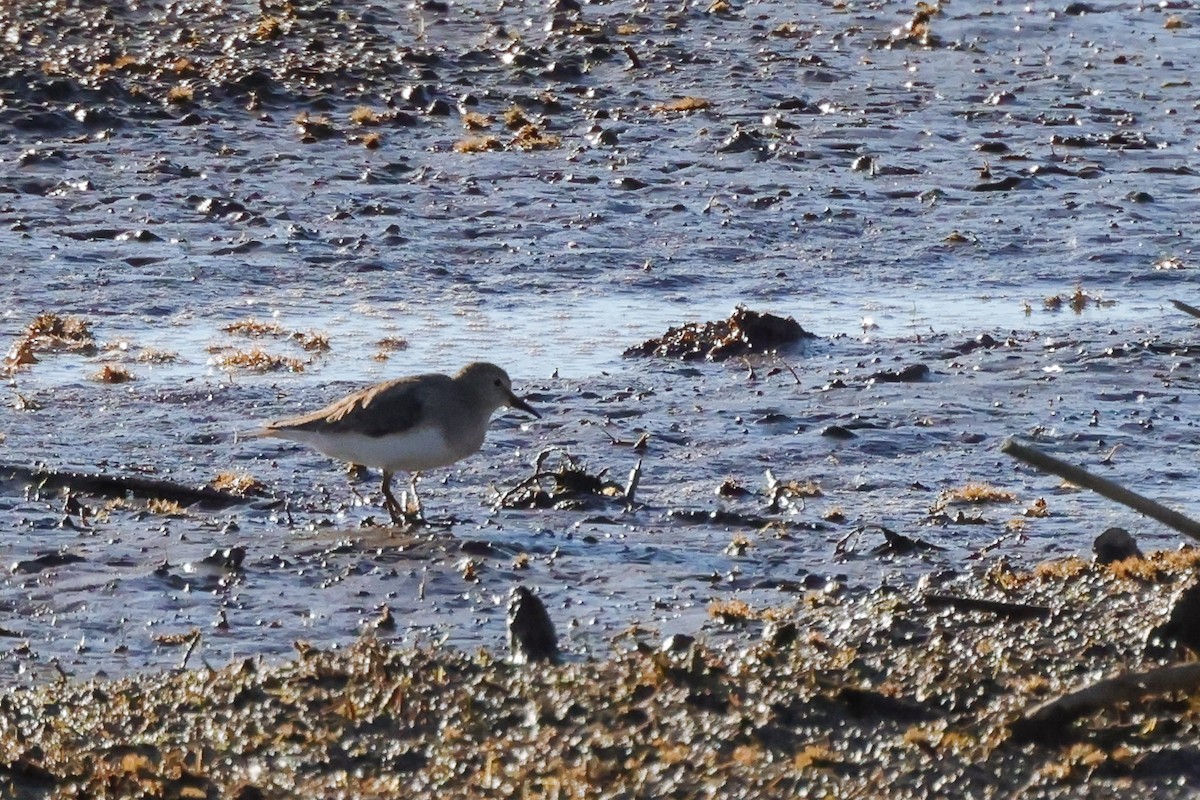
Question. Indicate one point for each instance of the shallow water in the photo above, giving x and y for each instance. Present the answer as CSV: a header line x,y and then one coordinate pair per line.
x,y
838,204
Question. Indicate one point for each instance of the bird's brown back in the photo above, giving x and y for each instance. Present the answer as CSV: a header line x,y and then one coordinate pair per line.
x,y
391,407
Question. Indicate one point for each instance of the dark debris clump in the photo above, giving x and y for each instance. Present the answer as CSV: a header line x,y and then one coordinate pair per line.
x,y
565,485
744,333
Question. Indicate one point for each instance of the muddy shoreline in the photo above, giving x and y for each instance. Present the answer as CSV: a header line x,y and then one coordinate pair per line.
x,y
869,689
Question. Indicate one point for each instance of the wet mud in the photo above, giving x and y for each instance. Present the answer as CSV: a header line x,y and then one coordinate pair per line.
x,y
213,214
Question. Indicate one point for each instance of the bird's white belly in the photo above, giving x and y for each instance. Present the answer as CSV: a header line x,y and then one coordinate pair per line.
x,y
416,449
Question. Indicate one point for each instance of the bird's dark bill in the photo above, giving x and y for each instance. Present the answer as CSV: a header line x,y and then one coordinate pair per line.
x,y
518,403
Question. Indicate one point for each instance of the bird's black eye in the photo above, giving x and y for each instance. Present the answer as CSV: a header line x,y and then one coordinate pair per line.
x,y
499,382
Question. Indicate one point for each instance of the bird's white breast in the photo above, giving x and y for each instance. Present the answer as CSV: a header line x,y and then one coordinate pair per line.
x,y
415,449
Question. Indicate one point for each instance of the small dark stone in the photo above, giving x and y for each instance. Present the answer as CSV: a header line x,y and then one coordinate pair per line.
x,y
477,547
1115,544
677,643
780,634
226,558
531,635
47,561
742,141
910,374
863,164
1003,185
417,94
814,582
992,147
630,183
984,340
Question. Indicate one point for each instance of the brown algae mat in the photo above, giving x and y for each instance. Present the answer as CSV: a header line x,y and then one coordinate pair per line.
x,y
872,693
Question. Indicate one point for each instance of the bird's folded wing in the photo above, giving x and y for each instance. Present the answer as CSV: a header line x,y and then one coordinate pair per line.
x,y
391,407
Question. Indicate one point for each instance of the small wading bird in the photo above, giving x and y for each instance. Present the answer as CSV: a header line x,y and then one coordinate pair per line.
x,y
407,425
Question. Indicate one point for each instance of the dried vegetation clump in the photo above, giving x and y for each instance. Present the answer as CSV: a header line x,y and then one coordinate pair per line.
x,y
165,508
474,121
875,694
478,144
515,118
388,345
50,333
150,355
258,360
362,115
254,328
683,105
1077,301
975,494
527,138
531,137
113,373
917,30
732,611
745,332
238,482
181,95
314,128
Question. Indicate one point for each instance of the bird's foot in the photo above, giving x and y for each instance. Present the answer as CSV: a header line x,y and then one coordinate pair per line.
x,y
404,517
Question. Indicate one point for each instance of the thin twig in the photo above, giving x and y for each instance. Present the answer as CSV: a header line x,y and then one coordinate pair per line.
x,y
1102,486
1048,720
190,649
635,477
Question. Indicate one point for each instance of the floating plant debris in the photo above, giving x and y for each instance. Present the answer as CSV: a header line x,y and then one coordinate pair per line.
x,y
238,482
258,360
683,105
113,373
51,333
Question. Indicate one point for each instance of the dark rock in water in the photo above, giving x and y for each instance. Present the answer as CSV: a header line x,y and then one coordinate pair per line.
x,y
226,558
744,332
742,141
983,340
1182,628
1115,544
531,636
477,547
838,432
47,561
910,374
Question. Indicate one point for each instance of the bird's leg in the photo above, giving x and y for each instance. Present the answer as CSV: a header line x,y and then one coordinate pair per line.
x,y
390,503
415,507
